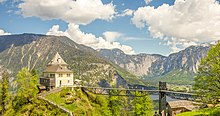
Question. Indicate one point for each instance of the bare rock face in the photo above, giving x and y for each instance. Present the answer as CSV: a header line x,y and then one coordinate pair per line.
x,y
187,60
143,63
157,65
137,64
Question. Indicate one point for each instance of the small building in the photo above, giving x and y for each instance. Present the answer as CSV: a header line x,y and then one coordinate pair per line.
x,y
57,74
179,106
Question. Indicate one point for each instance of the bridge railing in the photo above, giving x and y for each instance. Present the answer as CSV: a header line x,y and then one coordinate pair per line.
x,y
118,91
106,90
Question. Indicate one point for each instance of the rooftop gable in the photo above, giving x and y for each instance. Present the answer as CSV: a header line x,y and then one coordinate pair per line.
x,y
57,60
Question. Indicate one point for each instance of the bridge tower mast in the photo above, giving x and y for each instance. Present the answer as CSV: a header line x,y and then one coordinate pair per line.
x,y
162,98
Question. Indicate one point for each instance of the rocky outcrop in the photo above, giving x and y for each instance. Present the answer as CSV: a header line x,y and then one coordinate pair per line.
x,y
187,60
157,65
137,64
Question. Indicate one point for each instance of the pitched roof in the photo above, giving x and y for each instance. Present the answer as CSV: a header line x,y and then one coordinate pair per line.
x,y
57,68
57,60
190,105
57,64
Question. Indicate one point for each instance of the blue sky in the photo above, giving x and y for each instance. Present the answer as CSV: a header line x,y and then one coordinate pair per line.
x,y
154,28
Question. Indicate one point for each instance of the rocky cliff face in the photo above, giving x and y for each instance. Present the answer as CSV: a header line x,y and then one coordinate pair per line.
x,y
35,51
187,60
137,64
156,65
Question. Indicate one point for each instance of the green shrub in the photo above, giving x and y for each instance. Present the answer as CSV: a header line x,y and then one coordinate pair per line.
x,y
215,112
64,92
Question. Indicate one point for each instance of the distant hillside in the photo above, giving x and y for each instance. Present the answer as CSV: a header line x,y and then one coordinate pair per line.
x,y
35,51
176,68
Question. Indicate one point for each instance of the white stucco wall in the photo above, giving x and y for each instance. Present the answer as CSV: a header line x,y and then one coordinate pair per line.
x,y
64,79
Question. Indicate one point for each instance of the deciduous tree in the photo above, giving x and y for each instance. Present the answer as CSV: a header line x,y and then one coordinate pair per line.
x,y
142,106
115,103
26,88
207,81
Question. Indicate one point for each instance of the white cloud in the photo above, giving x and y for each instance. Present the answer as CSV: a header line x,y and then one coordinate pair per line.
x,y
188,21
75,13
70,11
147,1
176,45
111,36
1,1
2,32
126,12
88,39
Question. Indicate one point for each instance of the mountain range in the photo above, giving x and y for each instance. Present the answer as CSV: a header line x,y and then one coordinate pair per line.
x,y
178,67
99,67
34,51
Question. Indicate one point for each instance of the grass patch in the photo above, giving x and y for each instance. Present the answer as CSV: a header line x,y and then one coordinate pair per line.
x,y
72,101
203,112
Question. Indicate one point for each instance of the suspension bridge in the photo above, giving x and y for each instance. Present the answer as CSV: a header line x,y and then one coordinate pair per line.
x,y
162,92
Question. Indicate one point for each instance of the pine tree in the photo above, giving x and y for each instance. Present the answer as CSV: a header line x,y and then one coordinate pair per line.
x,y
207,80
4,93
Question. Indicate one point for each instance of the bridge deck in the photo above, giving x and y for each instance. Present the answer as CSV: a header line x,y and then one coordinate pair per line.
x,y
106,91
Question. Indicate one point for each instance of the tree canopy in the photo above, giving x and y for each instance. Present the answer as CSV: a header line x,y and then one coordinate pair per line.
x,y
26,88
115,103
23,101
142,106
207,81
5,95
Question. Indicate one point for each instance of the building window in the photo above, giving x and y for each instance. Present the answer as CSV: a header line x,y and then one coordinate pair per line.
x,y
52,75
68,81
60,75
68,75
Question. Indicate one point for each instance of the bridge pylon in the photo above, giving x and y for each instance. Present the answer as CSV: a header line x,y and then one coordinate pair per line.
x,y
162,98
